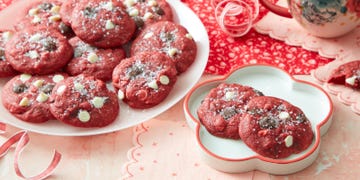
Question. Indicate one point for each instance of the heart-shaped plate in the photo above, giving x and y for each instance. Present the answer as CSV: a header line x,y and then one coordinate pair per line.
x,y
234,156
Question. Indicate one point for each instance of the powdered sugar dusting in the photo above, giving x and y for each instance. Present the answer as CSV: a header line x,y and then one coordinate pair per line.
x,y
82,47
140,70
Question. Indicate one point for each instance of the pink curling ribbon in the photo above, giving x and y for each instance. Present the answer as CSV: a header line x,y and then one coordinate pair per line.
x,y
22,139
2,127
235,17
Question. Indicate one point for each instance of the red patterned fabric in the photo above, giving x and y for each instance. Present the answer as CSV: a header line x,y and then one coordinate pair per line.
x,y
227,53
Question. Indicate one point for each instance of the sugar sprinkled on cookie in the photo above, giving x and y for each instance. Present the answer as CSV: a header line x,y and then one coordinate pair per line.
x,y
144,80
274,128
93,61
102,23
38,51
169,38
222,108
91,104
6,70
27,97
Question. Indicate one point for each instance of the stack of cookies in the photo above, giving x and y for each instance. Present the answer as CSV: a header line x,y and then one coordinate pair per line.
x,y
61,56
270,126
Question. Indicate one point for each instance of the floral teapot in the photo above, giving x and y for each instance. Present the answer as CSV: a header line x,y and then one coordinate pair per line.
x,y
322,18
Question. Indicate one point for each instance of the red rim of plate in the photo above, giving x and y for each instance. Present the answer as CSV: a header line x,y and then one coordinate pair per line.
x,y
260,157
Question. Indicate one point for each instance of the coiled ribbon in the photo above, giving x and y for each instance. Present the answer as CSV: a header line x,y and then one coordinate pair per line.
x,y
22,139
235,17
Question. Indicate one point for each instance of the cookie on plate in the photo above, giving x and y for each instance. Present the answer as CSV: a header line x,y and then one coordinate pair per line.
x,y
84,101
6,69
221,110
274,128
144,80
45,13
90,60
38,50
170,39
147,12
27,97
347,74
102,23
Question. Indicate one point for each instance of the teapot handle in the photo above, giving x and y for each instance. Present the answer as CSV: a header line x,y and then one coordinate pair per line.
x,y
281,11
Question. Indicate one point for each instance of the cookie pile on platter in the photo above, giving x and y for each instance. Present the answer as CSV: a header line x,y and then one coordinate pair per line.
x,y
61,55
270,126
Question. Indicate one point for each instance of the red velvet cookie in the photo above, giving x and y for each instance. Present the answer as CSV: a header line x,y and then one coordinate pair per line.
x,y
147,12
144,80
102,23
66,10
84,101
90,60
45,13
221,110
28,97
347,74
38,51
274,128
6,69
170,39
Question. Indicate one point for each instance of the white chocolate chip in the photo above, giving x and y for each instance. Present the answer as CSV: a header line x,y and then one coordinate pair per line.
x,y
284,115
148,35
164,80
172,52
148,15
55,18
78,86
83,116
109,25
229,95
153,85
188,36
42,97
33,11
32,54
110,87
134,12
57,78
129,3
55,9
24,102
36,19
35,37
288,141
6,36
351,80
98,102
92,57
108,6
61,89
38,83
121,95
152,3
24,77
